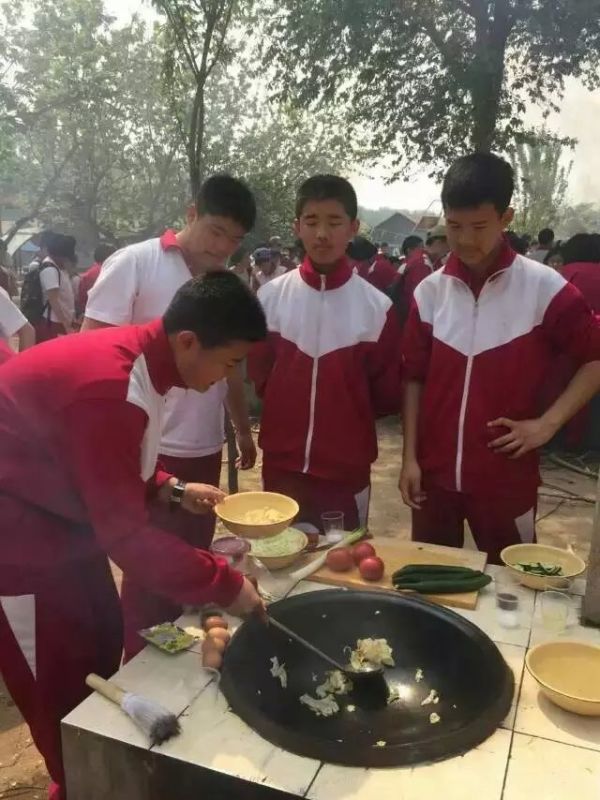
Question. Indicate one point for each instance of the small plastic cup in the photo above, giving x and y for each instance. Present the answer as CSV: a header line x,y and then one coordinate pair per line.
x,y
508,599
333,526
555,610
233,549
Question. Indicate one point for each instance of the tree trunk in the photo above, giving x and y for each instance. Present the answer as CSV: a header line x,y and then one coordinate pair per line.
x,y
487,69
590,612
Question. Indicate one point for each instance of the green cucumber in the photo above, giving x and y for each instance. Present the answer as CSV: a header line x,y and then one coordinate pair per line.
x,y
428,577
444,585
444,569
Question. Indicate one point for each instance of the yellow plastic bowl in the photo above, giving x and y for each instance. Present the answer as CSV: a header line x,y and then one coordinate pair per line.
x,y
567,674
233,510
281,562
571,564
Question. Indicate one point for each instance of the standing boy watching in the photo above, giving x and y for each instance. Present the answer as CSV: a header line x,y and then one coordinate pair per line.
x,y
136,285
481,335
330,366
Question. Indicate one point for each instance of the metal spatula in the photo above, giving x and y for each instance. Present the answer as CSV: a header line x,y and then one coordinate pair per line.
x,y
368,682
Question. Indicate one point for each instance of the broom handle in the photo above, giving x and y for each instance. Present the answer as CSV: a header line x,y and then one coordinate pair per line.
x,y
106,688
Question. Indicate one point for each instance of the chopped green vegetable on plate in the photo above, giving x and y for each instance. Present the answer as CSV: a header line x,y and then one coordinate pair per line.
x,y
168,637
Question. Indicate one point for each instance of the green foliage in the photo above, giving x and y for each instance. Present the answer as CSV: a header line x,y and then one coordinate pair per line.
x,y
95,146
429,80
541,180
199,39
273,146
581,218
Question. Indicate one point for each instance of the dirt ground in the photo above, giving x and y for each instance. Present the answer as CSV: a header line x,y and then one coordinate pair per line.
x,y
22,773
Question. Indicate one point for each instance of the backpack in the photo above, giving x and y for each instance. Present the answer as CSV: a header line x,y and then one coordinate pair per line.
x,y
397,294
33,305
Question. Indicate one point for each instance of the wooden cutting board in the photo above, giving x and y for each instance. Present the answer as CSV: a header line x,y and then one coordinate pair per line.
x,y
397,555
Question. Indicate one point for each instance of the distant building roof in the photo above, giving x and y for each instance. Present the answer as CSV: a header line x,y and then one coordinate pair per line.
x,y
429,221
394,229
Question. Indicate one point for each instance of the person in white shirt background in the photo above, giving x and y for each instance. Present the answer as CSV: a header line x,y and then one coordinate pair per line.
x,y
136,285
266,267
13,324
241,265
57,289
544,246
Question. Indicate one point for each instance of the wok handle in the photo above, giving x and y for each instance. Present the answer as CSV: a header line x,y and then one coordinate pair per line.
x,y
284,629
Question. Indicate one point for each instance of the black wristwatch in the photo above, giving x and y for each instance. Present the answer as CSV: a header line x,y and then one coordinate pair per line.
x,y
177,493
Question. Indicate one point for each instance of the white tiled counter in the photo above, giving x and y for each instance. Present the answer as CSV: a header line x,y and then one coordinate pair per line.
x,y
539,752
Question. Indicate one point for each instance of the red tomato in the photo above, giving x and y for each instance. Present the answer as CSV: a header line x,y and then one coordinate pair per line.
x,y
371,568
362,550
340,559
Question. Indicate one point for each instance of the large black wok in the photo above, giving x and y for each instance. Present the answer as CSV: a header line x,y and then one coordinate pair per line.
x,y
458,660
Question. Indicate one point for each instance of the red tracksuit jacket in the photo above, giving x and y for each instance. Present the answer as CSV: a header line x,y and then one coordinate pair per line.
x,y
330,366
80,423
585,275
379,272
485,357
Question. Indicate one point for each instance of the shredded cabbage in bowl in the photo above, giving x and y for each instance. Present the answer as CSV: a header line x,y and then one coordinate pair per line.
x,y
286,543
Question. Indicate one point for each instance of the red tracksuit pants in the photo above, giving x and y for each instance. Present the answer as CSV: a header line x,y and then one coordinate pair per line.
x,y
495,521
315,496
141,608
50,639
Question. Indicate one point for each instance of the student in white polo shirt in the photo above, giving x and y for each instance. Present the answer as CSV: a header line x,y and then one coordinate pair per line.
x,y
136,285
13,323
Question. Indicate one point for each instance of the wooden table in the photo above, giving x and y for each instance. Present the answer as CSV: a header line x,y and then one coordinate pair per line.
x,y
539,751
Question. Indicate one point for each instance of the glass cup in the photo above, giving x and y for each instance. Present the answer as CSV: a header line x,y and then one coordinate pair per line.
x,y
508,599
555,610
333,526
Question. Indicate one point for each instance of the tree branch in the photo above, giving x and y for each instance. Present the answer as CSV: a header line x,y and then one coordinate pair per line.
x,y
221,44
180,31
42,197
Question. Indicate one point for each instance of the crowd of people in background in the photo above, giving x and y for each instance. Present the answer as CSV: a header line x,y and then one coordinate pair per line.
x,y
111,441
54,292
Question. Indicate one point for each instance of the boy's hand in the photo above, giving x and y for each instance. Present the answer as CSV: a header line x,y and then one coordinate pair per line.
x,y
247,450
523,436
410,484
199,498
247,602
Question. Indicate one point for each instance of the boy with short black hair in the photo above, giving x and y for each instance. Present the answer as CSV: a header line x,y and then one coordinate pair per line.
x,y
481,335
330,366
80,424
135,285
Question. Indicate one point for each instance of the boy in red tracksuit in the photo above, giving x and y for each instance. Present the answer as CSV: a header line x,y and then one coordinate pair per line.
x,y
423,261
330,365
481,335
80,426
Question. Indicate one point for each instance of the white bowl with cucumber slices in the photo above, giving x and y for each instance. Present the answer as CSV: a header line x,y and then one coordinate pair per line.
x,y
278,552
535,565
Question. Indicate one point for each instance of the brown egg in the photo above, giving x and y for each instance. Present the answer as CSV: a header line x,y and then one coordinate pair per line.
x,y
214,622
214,643
218,634
211,659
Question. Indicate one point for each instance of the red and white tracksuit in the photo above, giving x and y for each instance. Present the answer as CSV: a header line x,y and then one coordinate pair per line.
x,y
480,356
330,365
418,267
586,277
379,272
80,424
